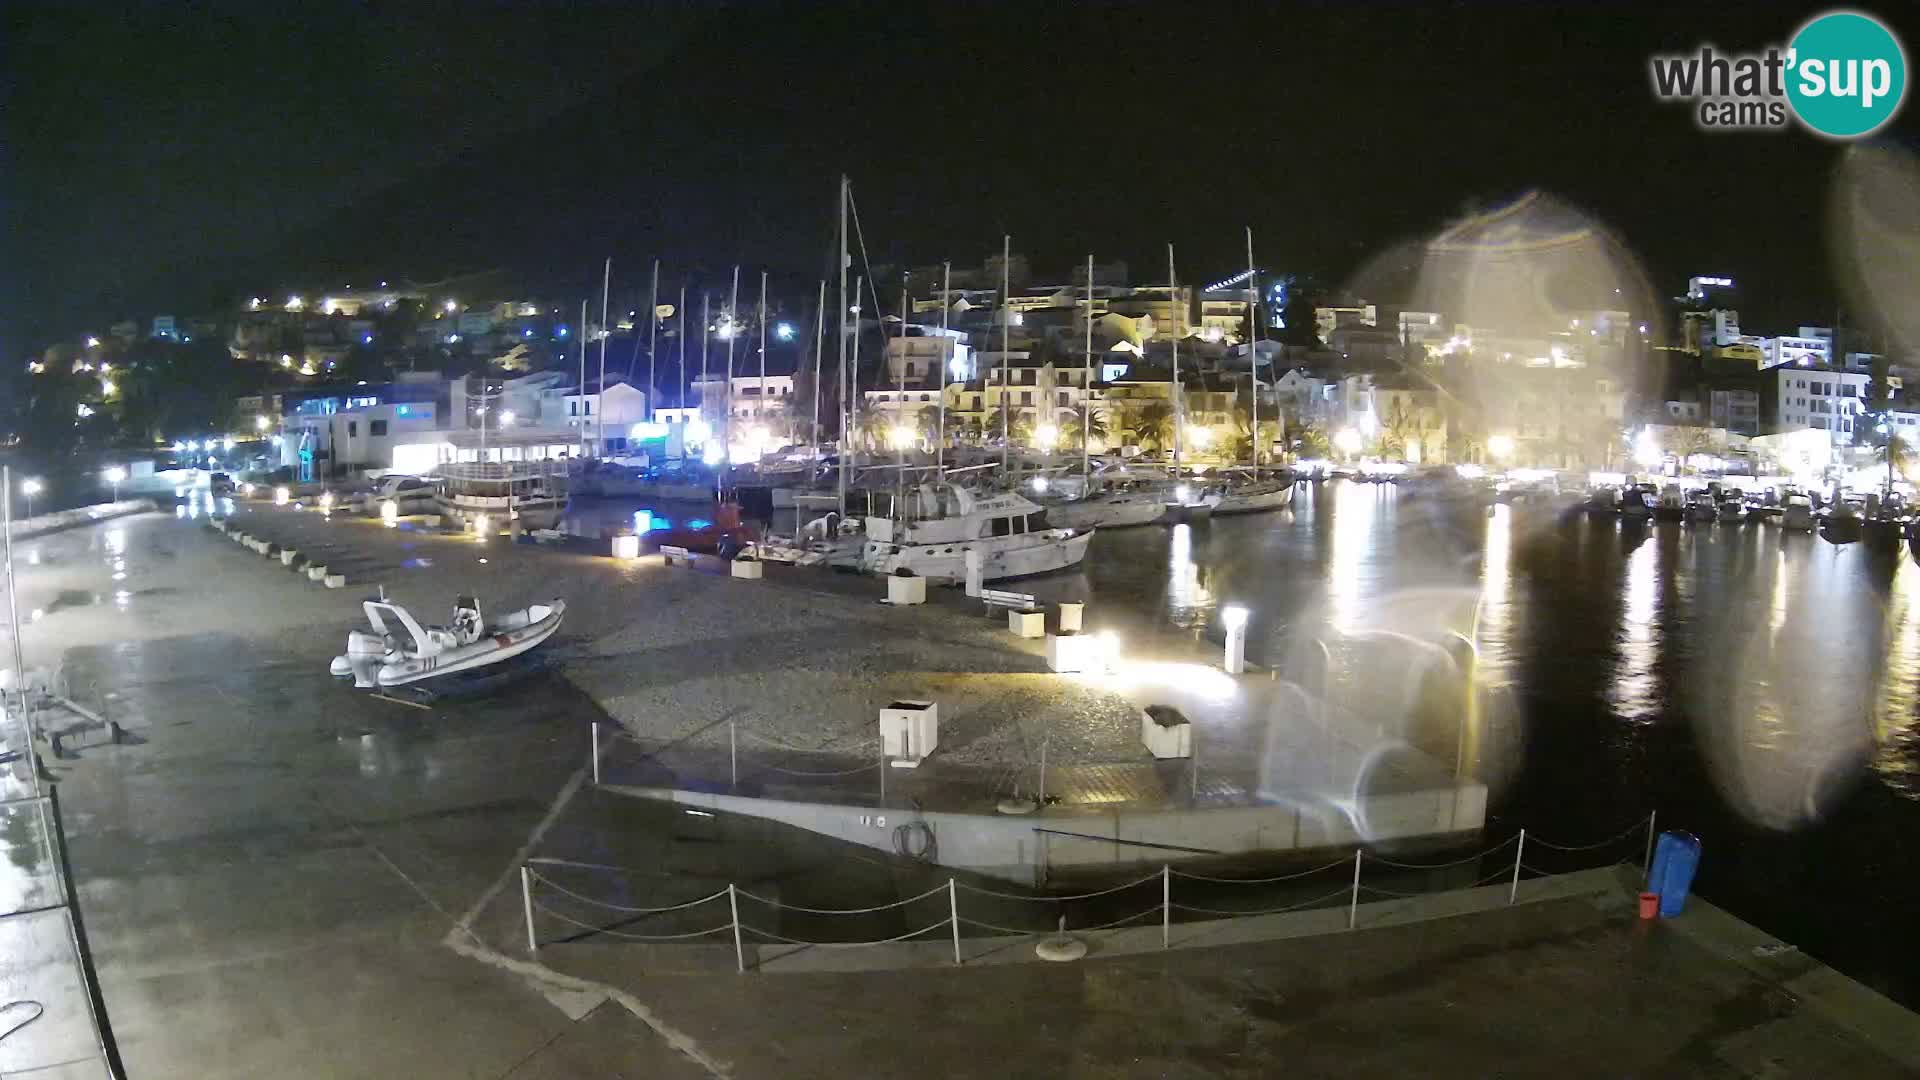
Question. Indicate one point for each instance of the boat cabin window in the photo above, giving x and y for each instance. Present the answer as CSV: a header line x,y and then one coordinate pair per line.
x,y
1037,521
1002,526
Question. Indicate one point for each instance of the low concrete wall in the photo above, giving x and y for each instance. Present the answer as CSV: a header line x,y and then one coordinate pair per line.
x,y
1027,848
42,524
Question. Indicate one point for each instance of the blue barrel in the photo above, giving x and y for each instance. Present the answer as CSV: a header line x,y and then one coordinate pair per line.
x,y
1675,858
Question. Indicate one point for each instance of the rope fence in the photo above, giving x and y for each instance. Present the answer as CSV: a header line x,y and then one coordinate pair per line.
x,y
536,885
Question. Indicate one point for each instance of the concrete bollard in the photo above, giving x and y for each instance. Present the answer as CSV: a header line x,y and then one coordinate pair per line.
x,y
334,581
1070,617
287,555
1027,624
316,573
747,569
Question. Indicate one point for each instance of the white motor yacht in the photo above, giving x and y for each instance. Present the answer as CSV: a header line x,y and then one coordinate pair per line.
x,y
1011,533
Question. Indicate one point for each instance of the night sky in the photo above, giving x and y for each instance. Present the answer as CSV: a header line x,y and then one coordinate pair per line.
x,y
171,159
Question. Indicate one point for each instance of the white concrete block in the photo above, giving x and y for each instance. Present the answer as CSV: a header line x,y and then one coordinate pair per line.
x,y
1070,617
287,555
748,569
1027,624
626,547
334,581
1073,652
906,591
1166,735
909,731
316,573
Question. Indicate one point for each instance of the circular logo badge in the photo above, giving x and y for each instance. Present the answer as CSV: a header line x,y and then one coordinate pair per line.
x,y
1848,74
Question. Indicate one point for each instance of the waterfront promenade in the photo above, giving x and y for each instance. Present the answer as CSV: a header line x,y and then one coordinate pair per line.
x,y
283,877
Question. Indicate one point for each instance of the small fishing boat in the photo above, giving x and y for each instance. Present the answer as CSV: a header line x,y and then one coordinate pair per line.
x,y
1732,508
1700,505
1797,516
398,650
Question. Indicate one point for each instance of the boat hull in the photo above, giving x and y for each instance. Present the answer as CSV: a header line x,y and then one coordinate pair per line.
x,y
491,649
536,513
1255,502
1106,514
1002,557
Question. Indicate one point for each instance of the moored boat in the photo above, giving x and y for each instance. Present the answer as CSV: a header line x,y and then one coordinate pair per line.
x,y
398,650
1011,535
498,495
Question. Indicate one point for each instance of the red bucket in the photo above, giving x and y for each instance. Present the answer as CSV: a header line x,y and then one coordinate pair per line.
x,y
1649,905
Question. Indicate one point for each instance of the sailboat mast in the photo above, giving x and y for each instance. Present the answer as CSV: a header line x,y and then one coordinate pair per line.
x,y
1253,347
853,366
583,380
846,441
946,349
705,315
760,408
600,395
733,331
819,325
1173,295
1086,394
1006,336
653,312
681,401
900,417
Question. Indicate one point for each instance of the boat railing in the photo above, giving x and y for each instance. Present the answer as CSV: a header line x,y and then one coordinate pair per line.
x,y
504,471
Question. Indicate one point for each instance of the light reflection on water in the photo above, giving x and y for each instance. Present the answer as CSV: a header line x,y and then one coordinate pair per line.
x,y
1794,661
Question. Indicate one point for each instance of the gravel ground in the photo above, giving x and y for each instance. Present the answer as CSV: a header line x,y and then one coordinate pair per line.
x,y
804,659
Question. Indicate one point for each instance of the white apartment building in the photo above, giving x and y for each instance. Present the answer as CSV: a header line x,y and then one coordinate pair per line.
x,y
1325,319
1820,398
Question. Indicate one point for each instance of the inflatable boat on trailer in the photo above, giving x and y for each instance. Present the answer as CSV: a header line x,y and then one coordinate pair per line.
x,y
398,650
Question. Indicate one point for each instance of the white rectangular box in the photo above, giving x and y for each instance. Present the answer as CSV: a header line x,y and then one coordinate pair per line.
x,y
750,569
1070,617
909,731
1073,652
906,590
1166,739
1027,624
626,547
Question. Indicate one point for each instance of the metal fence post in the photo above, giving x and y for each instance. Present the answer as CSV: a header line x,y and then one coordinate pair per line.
x,y
733,753
1519,849
953,916
1166,903
883,774
526,901
1646,862
739,953
596,753
1353,902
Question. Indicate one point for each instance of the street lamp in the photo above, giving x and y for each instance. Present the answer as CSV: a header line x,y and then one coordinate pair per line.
x,y
1347,441
30,487
1500,446
114,476
261,424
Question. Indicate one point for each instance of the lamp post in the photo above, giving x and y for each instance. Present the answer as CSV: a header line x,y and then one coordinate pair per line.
x,y
114,476
30,487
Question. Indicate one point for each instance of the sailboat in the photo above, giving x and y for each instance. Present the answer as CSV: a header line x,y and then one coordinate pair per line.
x,y
1251,494
1012,535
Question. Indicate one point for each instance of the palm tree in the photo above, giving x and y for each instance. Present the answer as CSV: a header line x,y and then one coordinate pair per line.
x,y
1244,442
1150,424
1070,428
1017,426
1403,425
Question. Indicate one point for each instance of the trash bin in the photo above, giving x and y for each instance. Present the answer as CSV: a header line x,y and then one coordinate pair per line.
x,y
1675,858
